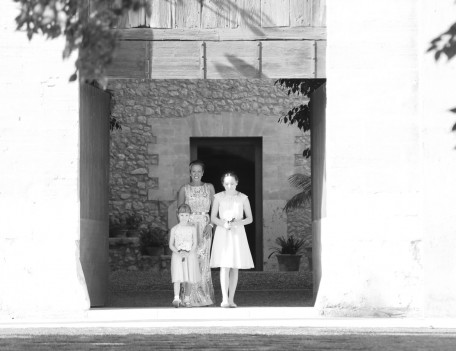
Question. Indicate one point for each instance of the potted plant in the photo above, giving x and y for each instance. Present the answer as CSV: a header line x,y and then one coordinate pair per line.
x,y
152,241
288,252
133,221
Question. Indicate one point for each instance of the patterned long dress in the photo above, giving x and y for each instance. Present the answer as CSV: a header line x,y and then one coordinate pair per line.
x,y
202,292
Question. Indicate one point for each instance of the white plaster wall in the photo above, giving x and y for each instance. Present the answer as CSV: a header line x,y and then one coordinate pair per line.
x,y
373,158
40,272
389,235
437,87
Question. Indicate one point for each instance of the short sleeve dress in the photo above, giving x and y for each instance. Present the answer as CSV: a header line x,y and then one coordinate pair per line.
x,y
184,270
230,247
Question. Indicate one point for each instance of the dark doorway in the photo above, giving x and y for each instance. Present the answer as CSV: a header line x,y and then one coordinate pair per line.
x,y
242,155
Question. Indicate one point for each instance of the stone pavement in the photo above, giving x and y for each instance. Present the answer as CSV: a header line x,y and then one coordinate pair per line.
x,y
232,338
214,328
244,298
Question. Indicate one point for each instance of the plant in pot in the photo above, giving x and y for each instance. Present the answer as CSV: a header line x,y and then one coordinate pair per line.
x,y
133,222
152,241
288,252
290,249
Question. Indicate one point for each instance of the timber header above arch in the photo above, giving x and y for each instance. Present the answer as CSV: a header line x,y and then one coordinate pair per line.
x,y
217,39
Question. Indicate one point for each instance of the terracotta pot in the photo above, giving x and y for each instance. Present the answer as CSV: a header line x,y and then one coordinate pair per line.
x,y
288,263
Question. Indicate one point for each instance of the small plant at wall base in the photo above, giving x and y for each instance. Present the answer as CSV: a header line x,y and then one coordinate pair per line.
x,y
133,222
152,241
288,252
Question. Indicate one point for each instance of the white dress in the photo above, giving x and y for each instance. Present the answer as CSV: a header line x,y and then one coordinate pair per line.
x,y
184,270
230,247
201,292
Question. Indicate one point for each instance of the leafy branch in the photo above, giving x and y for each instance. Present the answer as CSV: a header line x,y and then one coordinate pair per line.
x,y
445,44
86,29
300,115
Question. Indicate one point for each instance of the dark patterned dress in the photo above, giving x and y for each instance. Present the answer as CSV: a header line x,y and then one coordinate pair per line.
x,y
202,292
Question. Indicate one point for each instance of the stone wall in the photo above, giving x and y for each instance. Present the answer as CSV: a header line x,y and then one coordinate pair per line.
x,y
125,255
150,155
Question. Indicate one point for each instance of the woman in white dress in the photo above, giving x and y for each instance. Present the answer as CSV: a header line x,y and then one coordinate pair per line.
x,y
198,195
230,249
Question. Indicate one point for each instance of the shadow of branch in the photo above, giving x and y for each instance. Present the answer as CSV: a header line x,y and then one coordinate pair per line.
x,y
239,68
229,11
445,45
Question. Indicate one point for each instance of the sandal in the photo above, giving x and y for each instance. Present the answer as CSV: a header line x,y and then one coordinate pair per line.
x,y
225,305
233,305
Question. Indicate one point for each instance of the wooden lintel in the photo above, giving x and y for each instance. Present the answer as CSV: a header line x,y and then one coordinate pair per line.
x,y
224,34
219,59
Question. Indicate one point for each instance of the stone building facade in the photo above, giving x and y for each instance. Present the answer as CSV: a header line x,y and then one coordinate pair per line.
x,y
150,154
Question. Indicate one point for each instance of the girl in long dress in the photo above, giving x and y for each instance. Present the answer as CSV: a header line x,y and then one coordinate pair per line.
x,y
198,196
230,249
182,242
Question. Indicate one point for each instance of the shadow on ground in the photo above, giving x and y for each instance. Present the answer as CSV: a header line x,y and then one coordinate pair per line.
x,y
255,289
251,298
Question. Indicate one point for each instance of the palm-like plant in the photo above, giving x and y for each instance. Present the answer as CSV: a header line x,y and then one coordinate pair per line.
x,y
303,182
287,246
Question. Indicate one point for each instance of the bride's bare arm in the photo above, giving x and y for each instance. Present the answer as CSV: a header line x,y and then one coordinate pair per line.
x,y
181,196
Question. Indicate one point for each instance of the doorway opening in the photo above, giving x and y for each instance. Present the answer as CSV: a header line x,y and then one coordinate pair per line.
x,y
224,141
243,156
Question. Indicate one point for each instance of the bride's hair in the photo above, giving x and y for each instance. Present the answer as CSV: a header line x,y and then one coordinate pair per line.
x,y
229,174
197,163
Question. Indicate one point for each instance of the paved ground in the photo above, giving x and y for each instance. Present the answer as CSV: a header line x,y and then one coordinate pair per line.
x,y
245,298
141,318
234,338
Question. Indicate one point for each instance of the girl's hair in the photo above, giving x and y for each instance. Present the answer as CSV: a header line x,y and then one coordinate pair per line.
x,y
197,163
229,174
184,208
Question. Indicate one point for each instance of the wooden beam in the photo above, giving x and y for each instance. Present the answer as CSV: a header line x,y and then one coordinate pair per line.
x,y
275,13
130,60
319,13
216,14
219,60
232,60
187,14
300,13
246,14
182,60
320,59
290,59
220,34
161,14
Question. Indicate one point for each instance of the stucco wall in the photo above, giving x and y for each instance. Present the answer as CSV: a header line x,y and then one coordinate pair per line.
x,y
390,162
150,155
40,272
